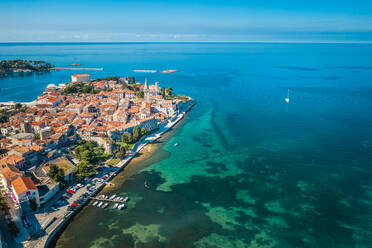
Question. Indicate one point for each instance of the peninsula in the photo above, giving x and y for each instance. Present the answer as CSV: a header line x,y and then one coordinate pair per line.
x,y
19,65
60,150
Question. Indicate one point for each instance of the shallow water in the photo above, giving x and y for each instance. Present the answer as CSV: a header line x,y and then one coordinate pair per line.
x,y
250,170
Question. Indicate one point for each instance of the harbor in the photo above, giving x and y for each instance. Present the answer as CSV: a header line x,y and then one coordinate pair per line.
x,y
54,225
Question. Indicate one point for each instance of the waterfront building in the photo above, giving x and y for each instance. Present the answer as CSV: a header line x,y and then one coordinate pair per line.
x,y
80,78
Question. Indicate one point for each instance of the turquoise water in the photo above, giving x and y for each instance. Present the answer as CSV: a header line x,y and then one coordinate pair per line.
x,y
251,170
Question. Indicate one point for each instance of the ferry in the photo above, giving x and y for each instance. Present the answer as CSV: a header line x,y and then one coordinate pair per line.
x,y
116,205
105,205
100,204
95,203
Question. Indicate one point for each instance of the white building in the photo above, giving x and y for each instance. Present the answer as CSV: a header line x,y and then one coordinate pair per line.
x,y
23,189
80,78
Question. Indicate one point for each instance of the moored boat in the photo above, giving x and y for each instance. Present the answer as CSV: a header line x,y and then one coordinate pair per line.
x,y
100,204
95,203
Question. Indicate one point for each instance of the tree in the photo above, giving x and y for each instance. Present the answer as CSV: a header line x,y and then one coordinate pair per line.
x,y
140,94
17,106
83,169
136,133
169,91
126,138
143,131
88,156
57,174
78,150
124,86
120,153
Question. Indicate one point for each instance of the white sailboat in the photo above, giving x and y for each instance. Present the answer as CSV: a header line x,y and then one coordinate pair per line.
x,y
287,98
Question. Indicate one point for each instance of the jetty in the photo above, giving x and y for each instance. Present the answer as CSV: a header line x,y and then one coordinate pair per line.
x,y
108,200
76,68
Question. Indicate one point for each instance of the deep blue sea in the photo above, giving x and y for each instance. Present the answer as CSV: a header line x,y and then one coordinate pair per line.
x,y
250,170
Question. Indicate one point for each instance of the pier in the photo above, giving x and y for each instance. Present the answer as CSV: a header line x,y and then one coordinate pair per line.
x,y
109,200
77,69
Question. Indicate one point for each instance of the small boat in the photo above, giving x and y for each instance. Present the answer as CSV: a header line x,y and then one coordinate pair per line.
x,y
117,198
105,205
121,206
287,98
126,199
112,197
95,203
116,205
176,144
100,204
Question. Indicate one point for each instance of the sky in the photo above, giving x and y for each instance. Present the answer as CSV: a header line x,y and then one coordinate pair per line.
x,y
186,21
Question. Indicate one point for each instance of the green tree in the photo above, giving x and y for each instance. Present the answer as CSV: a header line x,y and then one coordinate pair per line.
x,y
79,150
83,169
140,94
143,131
88,156
17,106
124,86
169,91
136,133
126,138
57,174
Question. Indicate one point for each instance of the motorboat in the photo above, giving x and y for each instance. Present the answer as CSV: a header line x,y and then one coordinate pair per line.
x,y
126,199
116,205
95,203
105,205
121,206
287,98
112,197
176,144
100,204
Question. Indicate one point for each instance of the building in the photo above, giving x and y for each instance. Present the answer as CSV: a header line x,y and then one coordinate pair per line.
x,y
8,174
80,78
24,189
14,160
150,123
45,133
26,127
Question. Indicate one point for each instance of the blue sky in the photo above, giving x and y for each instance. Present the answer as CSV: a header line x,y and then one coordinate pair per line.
x,y
182,21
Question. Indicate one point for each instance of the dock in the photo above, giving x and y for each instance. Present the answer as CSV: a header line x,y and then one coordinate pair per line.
x,y
109,200
77,68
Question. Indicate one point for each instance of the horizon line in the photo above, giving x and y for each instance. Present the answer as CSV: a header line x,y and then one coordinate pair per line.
x,y
185,42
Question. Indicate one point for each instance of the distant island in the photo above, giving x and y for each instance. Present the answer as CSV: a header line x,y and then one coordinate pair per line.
x,y
20,65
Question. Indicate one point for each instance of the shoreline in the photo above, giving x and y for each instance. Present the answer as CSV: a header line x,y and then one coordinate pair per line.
x,y
55,233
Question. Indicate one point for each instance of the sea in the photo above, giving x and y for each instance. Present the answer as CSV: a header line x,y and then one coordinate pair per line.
x,y
250,169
